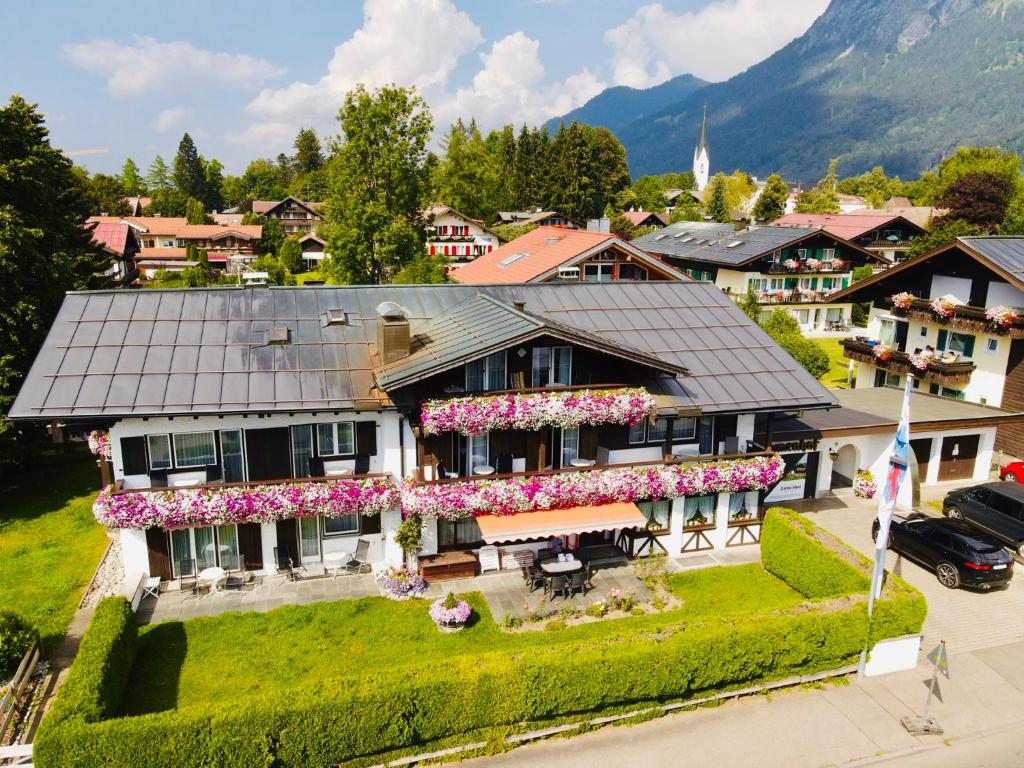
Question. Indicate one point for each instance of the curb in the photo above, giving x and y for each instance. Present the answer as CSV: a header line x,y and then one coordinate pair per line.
x,y
943,744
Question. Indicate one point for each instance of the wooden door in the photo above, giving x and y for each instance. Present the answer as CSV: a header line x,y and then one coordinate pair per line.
x,y
956,461
922,448
250,545
268,453
159,553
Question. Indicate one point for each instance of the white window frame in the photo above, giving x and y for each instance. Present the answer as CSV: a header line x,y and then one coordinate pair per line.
x,y
470,440
684,438
335,444
552,368
486,363
642,425
193,554
174,448
827,254
801,253
991,346
170,451
576,451
599,269
241,452
334,534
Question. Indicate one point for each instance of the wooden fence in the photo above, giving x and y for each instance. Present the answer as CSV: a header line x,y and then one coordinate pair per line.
x,y
9,702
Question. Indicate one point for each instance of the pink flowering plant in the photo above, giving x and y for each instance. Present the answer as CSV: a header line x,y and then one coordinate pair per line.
x,y
920,360
864,485
791,264
1001,317
943,308
99,444
449,611
883,351
262,504
838,264
564,410
401,583
457,501
902,300
813,264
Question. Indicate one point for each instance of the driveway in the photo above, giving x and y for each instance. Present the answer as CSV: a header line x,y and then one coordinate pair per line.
x,y
967,620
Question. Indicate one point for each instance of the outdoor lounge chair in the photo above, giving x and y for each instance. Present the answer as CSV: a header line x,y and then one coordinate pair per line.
x,y
187,579
578,583
237,576
359,562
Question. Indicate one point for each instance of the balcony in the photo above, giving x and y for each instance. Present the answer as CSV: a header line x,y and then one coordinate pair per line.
x,y
956,374
793,296
810,266
887,244
964,317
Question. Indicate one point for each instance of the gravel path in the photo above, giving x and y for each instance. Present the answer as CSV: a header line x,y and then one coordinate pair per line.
x,y
109,579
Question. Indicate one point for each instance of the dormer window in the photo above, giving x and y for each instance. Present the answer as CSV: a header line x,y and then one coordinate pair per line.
x,y
552,365
487,373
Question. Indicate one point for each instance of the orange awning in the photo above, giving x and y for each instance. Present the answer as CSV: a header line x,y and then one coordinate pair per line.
x,y
557,522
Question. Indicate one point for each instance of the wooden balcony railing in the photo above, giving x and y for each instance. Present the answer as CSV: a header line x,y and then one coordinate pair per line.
x,y
955,374
803,268
119,485
964,317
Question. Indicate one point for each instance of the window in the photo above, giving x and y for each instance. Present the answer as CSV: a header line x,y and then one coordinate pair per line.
x,y
193,549
991,346
459,533
345,524
552,365
194,449
638,433
658,514
632,272
833,315
487,373
570,445
803,316
598,273
699,510
884,378
477,452
887,331
336,439
953,394
302,449
979,495
685,428
923,333
159,451
309,538
231,455
963,343
827,254
657,430
801,253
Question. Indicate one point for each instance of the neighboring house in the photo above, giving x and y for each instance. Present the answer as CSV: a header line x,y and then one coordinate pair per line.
x,y
283,386
296,216
137,205
457,236
791,267
163,241
975,358
646,219
556,254
118,240
921,215
887,234
851,203
539,218
227,219
312,251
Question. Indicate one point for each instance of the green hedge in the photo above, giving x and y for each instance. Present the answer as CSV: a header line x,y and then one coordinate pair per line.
x,y
791,549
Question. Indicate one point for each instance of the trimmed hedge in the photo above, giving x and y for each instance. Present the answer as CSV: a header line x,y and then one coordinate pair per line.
x,y
364,717
791,550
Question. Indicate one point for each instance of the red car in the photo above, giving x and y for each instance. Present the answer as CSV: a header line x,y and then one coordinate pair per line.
x,y
1014,472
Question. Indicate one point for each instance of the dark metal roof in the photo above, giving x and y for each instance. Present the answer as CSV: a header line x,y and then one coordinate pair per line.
x,y
1006,253
148,352
733,248
683,238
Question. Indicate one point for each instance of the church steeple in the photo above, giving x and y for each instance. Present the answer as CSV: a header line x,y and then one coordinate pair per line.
x,y
701,155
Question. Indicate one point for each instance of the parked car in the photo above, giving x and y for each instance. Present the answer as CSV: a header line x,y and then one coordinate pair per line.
x,y
1014,472
996,508
957,553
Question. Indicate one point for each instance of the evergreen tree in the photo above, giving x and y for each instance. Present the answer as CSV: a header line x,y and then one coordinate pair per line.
x,y
463,177
823,197
507,194
378,185
1013,222
188,176
572,187
290,254
717,206
611,172
195,212
44,251
772,202
131,179
158,176
213,182
309,156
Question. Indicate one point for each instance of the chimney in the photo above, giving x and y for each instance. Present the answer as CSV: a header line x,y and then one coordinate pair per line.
x,y
519,305
739,225
393,338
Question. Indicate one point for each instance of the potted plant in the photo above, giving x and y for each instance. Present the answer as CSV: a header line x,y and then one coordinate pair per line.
x,y
883,352
1001,317
901,301
409,536
401,583
943,308
449,613
864,485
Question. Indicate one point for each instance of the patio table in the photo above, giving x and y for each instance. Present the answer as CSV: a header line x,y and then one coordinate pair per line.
x,y
561,566
335,561
212,576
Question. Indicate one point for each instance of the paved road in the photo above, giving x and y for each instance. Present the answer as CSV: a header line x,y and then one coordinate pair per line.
x,y
1003,749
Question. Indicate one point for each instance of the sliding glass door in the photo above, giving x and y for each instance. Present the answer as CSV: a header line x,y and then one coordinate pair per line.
x,y
195,549
309,539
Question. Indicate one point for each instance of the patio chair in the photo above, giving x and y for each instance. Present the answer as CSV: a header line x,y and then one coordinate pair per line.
x,y
545,554
296,572
589,573
535,577
524,558
187,577
503,463
578,583
237,577
359,562
555,584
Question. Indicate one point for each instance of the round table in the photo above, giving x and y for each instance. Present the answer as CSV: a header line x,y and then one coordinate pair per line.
x,y
583,462
483,469
214,576
335,561
561,566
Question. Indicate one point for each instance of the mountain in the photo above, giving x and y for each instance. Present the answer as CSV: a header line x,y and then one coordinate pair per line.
x,y
616,107
898,83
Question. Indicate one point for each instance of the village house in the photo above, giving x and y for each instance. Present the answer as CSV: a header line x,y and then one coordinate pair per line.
x,y
887,234
645,219
556,254
953,318
268,428
137,204
118,240
457,236
296,216
313,250
538,218
796,268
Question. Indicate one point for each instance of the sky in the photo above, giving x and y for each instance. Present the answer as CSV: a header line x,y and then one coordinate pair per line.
x,y
127,79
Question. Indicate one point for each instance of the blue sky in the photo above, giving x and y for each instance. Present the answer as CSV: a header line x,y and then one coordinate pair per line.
x,y
119,79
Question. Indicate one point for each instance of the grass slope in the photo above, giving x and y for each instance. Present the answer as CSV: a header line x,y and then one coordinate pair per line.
x,y
49,543
236,656
836,377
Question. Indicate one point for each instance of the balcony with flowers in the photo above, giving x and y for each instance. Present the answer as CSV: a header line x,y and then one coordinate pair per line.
x,y
794,296
809,265
948,370
1002,320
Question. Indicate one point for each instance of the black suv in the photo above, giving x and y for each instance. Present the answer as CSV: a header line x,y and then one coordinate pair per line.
x,y
953,550
996,508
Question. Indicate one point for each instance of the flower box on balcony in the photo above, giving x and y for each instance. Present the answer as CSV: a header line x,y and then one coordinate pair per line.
x,y
1001,320
949,374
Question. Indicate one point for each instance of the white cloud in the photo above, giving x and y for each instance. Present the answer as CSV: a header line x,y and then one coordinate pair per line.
x,y
148,64
716,42
170,118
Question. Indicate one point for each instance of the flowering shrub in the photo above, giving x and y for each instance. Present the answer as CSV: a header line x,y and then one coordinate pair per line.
x,y
99,444
920,360
791,264
838,264
813,264
566,410
902,300
401,583
449,611
1001,317
883,351
864,485
620,601
456,501
262,504
943,308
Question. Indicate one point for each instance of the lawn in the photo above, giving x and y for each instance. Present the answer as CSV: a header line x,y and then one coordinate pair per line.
x,y
836,377
49,542
291,649
302,277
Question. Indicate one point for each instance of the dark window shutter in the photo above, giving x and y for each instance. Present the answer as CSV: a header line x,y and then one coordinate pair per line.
x,y
968,346
159,551
369,524
133,456
941,343
366,437
250,545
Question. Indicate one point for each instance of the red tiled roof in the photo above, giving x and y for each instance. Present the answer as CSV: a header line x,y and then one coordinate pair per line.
x,y
636,218
152,225
205,231
177,226
163,254
848,226
113,237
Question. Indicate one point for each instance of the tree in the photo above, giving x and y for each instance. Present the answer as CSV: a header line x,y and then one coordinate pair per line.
x,y
980,199
213,182
464,177
105,194
611,171
232,191
621,226
750,306
783,327
278,275
571,187
772,202
309,157
189,177
166,201
378,185
824,196
649,194
131,180
196,213
971,160
273,232
290,254
424,269
44,251
1013,222
941,235
687,210
717,206
874,186
158,175
262,181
